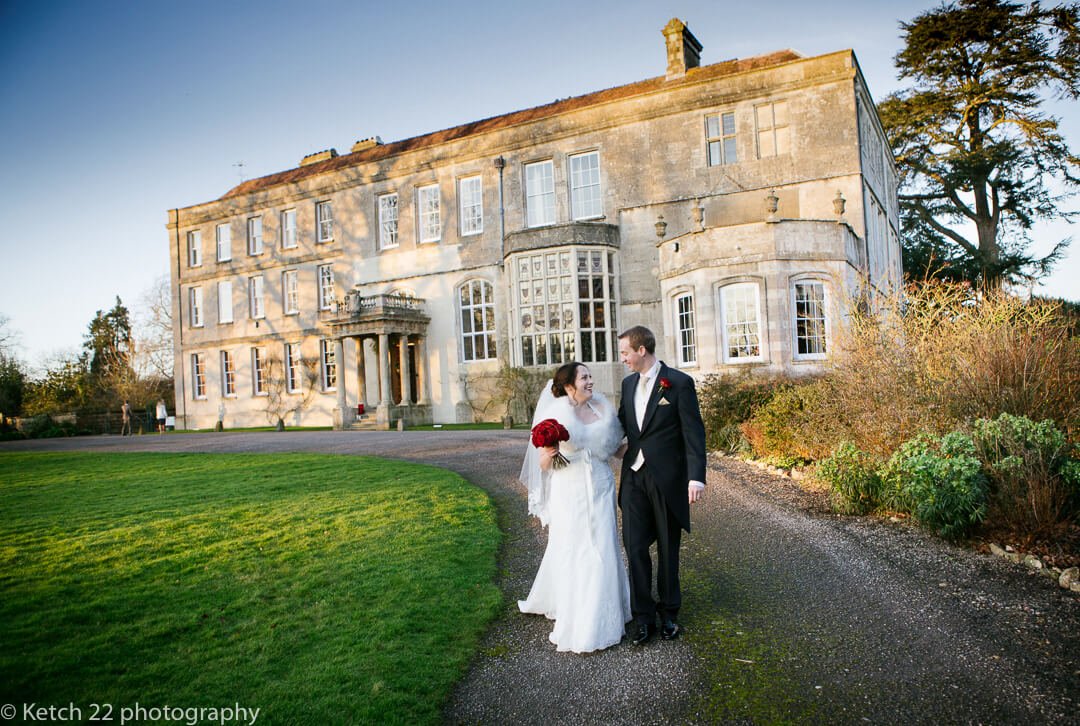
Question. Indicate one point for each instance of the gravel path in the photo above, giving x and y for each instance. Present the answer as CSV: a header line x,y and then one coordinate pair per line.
x,y
789,615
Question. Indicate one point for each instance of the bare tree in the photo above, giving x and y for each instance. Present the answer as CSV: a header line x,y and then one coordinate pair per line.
x,y
9,337
154,330
281,399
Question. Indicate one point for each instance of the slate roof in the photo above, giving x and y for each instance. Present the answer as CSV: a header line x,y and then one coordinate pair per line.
x,y
374,153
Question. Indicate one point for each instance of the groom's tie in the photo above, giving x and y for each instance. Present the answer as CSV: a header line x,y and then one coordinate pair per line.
x,y
641,401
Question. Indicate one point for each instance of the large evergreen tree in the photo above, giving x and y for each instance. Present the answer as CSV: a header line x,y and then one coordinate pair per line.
x,y
109,344
978,156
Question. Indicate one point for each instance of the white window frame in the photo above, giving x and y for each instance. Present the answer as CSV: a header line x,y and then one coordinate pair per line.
x,y
288,230
292,368
195,307
258,372
328,360
471,338
326,286
324,222
225,302
685,328
771,133
388,220
254,236
429,213
540,193
823,336
290,292
256,286
471,197
198,377
194,248
586,198
228,374
720,142
754,291
223,237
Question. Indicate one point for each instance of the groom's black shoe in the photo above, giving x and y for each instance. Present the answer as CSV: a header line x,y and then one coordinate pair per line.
x,y
642,633
669,630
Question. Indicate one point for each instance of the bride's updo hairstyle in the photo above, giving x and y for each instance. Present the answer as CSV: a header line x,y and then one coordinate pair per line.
x,y
565,376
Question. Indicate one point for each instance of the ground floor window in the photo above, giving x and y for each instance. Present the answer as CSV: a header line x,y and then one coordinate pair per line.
x,y
809,305
329,365
228,374
258,371
563,306
740,322
476,305
684,324
292,367
198,375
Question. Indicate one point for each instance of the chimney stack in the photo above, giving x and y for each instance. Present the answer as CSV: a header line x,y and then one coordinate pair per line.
x,y
683,49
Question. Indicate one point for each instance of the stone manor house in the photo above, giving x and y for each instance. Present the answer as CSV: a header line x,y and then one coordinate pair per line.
x,y
733,208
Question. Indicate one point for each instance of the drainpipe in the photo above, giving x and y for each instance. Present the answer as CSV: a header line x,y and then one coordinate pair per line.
x,y
178,321
500,164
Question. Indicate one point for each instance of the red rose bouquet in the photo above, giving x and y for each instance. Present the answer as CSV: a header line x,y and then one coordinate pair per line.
x,y
550,432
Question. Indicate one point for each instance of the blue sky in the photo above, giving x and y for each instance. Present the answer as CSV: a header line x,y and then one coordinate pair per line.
x,y
111,113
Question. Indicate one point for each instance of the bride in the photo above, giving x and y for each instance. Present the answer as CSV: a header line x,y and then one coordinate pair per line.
x,y
581,584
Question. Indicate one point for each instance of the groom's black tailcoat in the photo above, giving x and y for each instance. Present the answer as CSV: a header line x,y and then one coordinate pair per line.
x,y
672,436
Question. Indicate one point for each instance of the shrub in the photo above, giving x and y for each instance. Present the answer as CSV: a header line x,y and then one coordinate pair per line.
x,y
726,402
940,481
853,482
35,426
785,428
1027,465
939,357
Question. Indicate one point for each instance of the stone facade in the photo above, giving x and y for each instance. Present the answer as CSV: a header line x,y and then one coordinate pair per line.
x,y
733,208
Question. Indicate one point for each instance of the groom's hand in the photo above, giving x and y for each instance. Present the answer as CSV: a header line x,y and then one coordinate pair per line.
x,y
695,490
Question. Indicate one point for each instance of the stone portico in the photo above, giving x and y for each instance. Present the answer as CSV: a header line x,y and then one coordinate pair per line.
x,y
390,330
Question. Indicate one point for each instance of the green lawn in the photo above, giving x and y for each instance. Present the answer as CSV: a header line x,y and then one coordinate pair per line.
x,y
320,589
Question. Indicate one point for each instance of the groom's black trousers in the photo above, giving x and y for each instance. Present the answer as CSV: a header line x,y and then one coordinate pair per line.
x,y
645,519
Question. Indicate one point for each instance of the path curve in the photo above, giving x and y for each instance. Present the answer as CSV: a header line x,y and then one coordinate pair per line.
x,y
787,615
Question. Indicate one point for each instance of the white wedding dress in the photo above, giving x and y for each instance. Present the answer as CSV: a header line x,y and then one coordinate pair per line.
x,y
582,583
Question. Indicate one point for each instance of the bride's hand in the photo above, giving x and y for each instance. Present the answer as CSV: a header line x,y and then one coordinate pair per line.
x,y
546,455
619,452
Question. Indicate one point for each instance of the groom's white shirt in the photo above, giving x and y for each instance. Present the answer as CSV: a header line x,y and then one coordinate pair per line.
x,y
641,402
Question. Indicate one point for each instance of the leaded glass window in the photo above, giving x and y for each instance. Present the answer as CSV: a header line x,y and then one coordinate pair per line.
x,y
564,307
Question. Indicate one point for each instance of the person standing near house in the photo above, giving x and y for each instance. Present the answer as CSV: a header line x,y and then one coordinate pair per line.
x,y
162,414
663,473
125,417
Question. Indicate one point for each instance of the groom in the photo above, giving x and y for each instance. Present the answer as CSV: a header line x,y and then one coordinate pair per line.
x,y
663,472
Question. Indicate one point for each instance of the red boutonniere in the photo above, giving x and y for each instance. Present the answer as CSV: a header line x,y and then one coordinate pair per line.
x,y
665,383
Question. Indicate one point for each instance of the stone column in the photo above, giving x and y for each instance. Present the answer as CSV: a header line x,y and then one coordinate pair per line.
x,y
341,416
385,402
361,371
424,371
406,383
